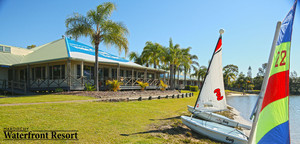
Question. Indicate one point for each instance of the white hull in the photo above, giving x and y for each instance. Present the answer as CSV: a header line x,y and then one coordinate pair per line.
x,y
215,131
210,116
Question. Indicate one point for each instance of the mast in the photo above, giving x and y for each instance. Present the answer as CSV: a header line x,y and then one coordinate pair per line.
x,y
265,82
221,31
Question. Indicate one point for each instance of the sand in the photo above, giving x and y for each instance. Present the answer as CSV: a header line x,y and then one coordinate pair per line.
x,y
241,120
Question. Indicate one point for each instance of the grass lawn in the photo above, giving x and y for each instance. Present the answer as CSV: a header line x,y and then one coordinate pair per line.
x,y
42,98
105,122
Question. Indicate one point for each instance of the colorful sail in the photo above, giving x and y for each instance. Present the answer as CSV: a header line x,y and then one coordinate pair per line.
x,y
273,120
212,95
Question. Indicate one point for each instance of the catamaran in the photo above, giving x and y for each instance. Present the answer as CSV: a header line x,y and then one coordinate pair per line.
x,y
211,99
212,95
271,123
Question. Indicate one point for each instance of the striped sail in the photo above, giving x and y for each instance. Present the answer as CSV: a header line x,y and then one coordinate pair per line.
x,y
273,121
212,95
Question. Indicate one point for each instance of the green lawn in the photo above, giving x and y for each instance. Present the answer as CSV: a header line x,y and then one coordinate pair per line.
x,y
103,122
41,98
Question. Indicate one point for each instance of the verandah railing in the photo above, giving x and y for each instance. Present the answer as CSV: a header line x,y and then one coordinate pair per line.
x,y
73,82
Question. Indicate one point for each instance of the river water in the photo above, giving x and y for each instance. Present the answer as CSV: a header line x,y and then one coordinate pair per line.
x,y
245,104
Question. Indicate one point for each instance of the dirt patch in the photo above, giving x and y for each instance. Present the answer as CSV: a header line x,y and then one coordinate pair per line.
x,y
121,94
174,131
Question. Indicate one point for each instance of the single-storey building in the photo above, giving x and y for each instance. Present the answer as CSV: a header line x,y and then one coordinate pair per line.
x,y
68,64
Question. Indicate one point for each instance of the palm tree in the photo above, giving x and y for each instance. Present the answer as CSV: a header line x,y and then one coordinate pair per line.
x,y
229,73
188,61
136,57
100,29
169,57
200,73
152,52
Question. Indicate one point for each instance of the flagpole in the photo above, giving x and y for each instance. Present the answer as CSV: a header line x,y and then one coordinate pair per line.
x,y
265,82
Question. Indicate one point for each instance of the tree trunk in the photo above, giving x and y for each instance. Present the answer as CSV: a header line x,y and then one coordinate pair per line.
x,y
171,77
96,76
174,75
184,82
178,72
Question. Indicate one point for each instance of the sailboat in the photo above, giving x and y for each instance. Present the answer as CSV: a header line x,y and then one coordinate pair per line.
x,y
211,99
271,123
212,95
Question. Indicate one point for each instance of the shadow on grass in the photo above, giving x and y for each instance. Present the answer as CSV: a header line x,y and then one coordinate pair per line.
x,y
179,130
170,118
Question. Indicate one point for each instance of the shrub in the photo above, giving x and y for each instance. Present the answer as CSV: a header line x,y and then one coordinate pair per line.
x,y
163,85
90,87
194,88
59,90
114,85
187,87
142,84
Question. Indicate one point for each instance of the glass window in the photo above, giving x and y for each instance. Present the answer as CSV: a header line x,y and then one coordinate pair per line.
x,y
43,73
78,71
50,72
62,74
7,49
38,73
114,73
88,71
1,48
32,74
56,72
22,74
121,73
106,73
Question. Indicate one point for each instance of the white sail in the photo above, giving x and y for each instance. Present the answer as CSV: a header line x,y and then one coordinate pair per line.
x,y
212,95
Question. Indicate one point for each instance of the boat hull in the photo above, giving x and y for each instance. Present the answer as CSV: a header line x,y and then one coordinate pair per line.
x,y
210,116
215,131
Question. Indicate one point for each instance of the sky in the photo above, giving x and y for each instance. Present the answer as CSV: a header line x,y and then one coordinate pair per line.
x,y
249,26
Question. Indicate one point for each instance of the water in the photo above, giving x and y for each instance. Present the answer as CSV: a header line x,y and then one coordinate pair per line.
x,y
245,104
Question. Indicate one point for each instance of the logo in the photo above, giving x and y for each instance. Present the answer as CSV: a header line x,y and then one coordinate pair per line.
x,y
230,139
218,94
20,133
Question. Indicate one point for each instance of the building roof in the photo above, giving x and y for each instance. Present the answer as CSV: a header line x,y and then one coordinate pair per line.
x,y
65,48
8,59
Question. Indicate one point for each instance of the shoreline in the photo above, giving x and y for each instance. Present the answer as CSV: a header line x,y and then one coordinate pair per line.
x,y
235,94
241,120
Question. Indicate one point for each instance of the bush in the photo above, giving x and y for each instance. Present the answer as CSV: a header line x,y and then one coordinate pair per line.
x,y
90,87
163,85
114,85
59,90
194,88
187,87
142,84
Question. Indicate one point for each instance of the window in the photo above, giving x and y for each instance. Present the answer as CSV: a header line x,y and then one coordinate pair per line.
x,y
150,76
78,71
38,73
7,49
57,72
105,72
88,71
128,73
121,73
114,73
1,48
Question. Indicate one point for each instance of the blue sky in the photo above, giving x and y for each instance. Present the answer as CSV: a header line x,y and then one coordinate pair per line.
x,y
249,25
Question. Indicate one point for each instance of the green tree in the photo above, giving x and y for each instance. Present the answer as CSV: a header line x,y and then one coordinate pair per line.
x,y
229,73
136,58
151,53
200,73
100,29
31,46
